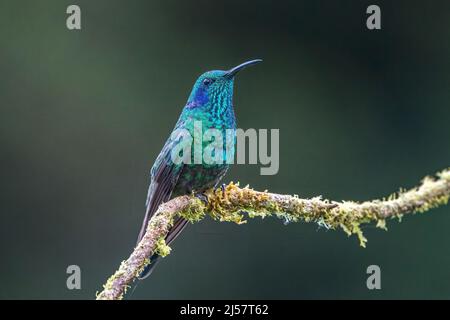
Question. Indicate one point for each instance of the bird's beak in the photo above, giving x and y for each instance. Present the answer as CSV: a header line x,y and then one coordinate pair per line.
x,y
232,72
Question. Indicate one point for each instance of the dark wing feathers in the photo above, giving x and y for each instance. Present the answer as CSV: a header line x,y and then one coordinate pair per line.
x,y
164,176
177,227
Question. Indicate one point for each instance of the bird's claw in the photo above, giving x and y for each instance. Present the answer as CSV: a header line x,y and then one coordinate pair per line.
x,y
202,197
223,187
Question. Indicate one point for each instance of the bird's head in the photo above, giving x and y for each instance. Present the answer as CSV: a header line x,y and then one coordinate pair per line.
x,y
215,88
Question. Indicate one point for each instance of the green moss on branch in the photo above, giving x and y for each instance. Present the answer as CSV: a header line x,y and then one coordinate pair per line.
x,y
235,204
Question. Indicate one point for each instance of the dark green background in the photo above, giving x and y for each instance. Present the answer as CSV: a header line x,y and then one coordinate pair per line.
x,y
84,114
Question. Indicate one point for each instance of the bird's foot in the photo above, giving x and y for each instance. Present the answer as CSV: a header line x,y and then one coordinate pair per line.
x,y
203,197
223,187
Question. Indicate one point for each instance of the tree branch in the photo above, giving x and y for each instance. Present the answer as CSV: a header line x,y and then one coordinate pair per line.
x,y
233,204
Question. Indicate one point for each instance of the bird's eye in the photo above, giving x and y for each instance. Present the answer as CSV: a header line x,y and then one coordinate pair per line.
x,y
207,81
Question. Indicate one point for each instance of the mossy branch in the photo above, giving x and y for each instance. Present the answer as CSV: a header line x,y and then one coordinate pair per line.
x,y
233,204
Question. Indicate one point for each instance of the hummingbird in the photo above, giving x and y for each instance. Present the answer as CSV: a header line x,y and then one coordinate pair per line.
x,y
211,104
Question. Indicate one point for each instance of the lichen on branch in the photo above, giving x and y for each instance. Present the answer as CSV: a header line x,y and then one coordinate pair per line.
x,y
235,204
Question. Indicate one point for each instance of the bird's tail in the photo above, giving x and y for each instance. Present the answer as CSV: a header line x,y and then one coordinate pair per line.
x,y
175,230
154,259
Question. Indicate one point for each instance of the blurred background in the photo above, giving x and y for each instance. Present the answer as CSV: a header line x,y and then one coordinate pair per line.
x,y
85,113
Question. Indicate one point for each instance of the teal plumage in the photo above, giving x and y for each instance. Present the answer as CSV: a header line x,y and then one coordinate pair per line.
x,y
211,105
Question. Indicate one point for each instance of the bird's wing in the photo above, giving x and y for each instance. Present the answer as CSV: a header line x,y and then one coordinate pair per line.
x,y
164,177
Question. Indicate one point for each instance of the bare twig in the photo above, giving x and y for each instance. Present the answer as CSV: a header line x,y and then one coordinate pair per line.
x,y
234,203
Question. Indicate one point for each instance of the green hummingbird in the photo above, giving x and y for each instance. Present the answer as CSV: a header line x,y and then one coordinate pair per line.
x,y
210,104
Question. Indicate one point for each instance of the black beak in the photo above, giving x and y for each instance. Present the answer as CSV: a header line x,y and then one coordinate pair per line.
x,y
232,72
